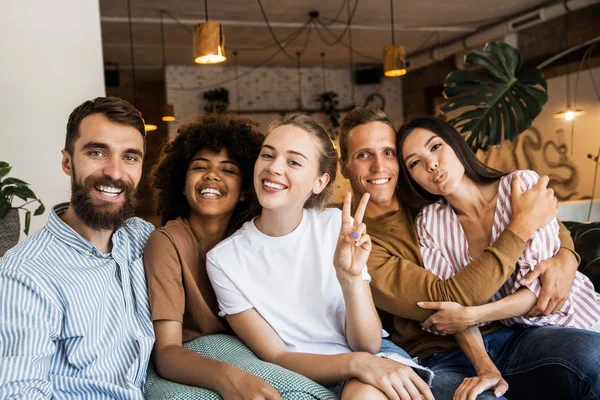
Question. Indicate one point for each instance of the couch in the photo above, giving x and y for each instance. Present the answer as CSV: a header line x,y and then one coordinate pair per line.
x,y
587,244
292,386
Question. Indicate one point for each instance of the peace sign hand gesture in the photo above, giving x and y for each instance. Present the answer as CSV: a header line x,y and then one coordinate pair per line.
x,y
354,245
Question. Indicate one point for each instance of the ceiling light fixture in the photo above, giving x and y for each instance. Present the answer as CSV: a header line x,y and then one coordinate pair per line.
x,y
209,41
168,111
571,112
394,57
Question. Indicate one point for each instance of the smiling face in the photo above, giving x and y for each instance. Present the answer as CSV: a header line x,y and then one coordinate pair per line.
x,y
286,172
372,165
431,162
213,184
105,169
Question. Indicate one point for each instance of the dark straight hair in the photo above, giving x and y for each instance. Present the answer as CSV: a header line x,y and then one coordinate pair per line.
x,y
410,192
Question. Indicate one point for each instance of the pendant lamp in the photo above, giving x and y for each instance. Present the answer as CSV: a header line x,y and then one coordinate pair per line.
x,y
209,41
168,111
394,56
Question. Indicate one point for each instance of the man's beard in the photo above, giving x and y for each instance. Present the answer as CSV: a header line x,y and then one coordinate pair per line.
x,y
98,214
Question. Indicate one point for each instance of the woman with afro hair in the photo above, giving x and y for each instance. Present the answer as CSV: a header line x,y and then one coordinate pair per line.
x,y
204,182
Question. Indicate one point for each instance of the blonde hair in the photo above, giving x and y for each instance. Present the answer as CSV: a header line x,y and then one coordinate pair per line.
x,y
327,153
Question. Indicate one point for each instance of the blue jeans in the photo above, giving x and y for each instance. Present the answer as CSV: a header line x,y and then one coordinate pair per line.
x,y
387,346
538,363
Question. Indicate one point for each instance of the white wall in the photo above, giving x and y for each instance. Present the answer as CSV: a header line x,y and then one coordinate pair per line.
x,y
51,61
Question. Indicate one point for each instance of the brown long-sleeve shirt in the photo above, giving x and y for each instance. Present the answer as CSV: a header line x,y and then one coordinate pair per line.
x,y
178,286
399,281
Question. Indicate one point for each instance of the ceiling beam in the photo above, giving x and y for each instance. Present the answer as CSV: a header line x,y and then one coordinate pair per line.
x,y
261,24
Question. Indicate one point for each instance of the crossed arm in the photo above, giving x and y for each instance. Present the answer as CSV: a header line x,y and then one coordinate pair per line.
x,y
399,281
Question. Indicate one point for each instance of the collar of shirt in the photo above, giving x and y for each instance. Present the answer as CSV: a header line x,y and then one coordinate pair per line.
x,y
63,232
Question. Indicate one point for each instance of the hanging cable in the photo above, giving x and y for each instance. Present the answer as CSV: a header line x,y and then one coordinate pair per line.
x,y
592,76
426,41
178,21
237,82
264,14
206,10
323,71
162,39
586,56
286,41
350,17
298,54
351,57
226,81
392,22
305,45
132,56
363,55
337,16
260,65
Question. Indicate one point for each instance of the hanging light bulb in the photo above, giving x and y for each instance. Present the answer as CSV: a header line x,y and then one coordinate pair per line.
x,y
168,111
569,114
394,60
168,114
394,57
209,41
150,127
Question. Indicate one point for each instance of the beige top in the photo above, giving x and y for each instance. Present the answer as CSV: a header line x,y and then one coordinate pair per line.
x,y
399,281
178,286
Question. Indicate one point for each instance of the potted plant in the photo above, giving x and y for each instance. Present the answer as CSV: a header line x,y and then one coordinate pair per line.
x,y
11,188
499,98
329,102
217,100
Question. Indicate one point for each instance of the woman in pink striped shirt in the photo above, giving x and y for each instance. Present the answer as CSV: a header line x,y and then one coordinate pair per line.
x,y
467,206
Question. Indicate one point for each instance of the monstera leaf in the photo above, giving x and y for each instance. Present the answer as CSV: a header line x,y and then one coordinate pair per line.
x,y
502,101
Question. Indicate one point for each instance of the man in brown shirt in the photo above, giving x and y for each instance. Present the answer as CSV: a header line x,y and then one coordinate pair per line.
x,y
535,362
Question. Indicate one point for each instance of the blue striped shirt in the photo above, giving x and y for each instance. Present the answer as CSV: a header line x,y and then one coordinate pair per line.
x,y
75,322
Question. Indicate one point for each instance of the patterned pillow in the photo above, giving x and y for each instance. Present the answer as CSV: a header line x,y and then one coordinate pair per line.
x,y
231,350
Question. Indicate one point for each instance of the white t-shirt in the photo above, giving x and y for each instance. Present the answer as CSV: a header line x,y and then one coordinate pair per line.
x,y
289,280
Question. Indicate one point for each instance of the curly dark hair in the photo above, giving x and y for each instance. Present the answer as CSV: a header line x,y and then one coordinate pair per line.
x,y
215,133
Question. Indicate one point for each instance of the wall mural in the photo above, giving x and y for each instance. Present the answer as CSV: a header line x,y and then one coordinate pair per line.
x,y
548,157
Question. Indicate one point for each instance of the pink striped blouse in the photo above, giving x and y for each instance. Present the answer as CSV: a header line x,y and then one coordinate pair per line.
x,y
445,251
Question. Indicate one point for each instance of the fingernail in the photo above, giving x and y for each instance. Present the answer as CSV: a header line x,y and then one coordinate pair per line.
x,y
420,304
355,235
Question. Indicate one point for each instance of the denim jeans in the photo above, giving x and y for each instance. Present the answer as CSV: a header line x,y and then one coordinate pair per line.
x,y
538,363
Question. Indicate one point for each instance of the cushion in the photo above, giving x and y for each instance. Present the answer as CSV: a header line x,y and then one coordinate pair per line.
x,y
231,350
586,237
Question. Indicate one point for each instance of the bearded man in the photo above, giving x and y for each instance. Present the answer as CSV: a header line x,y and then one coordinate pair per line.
x,y
74,317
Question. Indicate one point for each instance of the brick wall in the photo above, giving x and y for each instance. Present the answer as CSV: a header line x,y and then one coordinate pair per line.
x,y
274,88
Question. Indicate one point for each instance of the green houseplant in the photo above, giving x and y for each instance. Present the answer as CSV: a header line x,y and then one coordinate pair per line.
x,y
10,189
502,99
499,98
217,100
329,102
